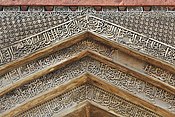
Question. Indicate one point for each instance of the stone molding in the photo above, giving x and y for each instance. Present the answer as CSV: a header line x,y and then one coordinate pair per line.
x,y
90,2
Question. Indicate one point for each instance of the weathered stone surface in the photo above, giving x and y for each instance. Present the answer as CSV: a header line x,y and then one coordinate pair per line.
x,y
109,73
111,31
44,55
91,93
89,110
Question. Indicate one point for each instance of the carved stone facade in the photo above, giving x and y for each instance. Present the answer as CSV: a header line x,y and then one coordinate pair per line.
x,y
131,51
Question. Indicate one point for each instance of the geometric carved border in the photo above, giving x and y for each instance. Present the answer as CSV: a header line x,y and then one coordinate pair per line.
x,y
92,24
147,23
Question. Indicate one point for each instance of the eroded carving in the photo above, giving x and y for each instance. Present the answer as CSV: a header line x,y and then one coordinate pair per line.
x,y
91,93
116,77
16,24
41,40
112,32
14,45
160,73
133,40
39,64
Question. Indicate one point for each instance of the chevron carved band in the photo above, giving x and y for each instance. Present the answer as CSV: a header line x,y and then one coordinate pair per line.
x,y
93,24
127,82
91,93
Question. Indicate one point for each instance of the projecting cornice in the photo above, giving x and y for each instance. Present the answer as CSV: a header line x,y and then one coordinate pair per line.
x,y
90,2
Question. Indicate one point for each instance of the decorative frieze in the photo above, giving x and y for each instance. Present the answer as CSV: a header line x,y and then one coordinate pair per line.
x,y
90,93
34,43
132,84
160,73
17,25
93,24
34,66
133,40
157,25
135,86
